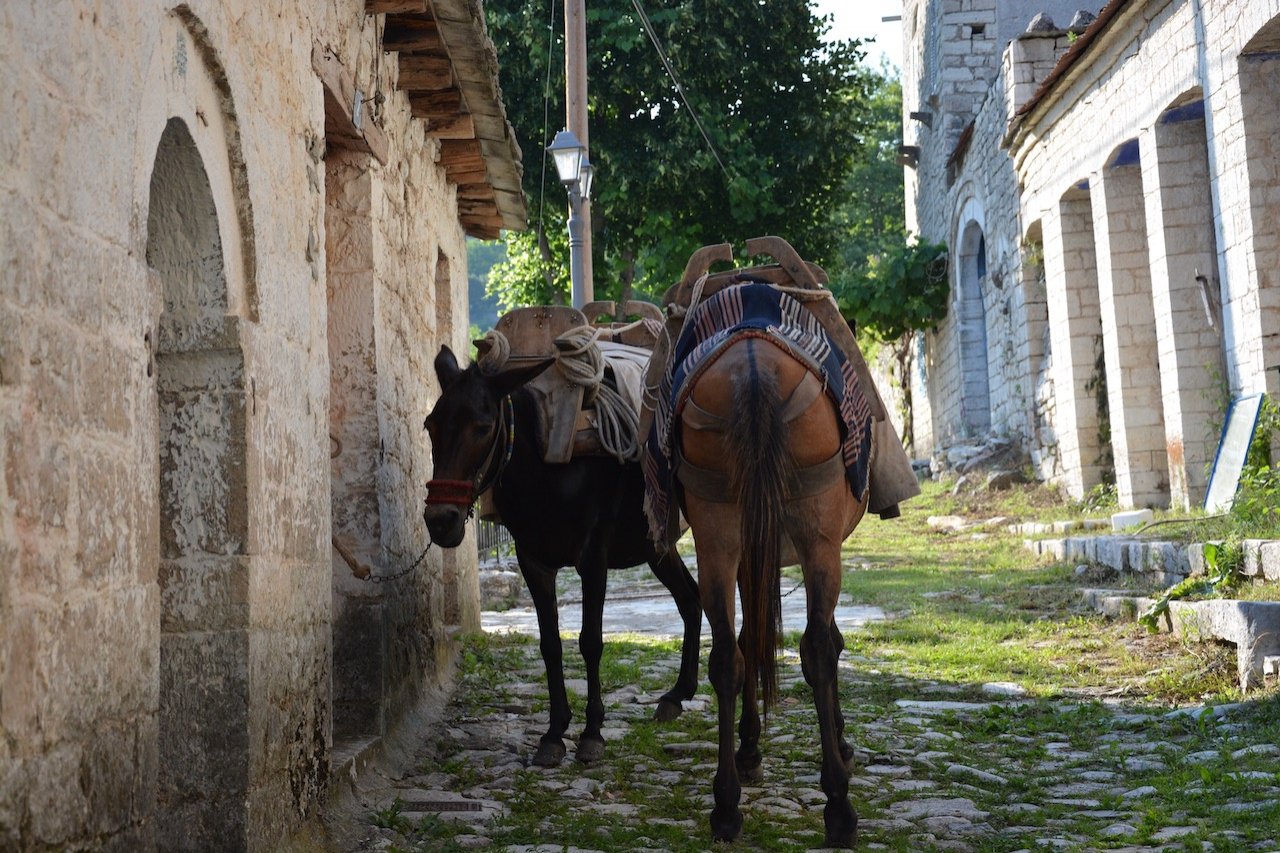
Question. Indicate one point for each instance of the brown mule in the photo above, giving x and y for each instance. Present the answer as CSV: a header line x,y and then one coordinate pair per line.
x,y
760,486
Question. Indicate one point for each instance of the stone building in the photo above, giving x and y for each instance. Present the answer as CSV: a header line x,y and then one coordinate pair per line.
x,y
1107,190
231,242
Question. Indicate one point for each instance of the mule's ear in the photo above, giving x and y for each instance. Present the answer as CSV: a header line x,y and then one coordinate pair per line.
x,y
446,365
482,345
511,378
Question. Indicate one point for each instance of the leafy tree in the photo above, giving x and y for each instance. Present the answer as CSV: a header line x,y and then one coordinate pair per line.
x,y
785,111
482,256
888,285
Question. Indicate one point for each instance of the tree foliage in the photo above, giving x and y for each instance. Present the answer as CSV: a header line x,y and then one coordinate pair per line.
x,y
888,284
785,110
902,289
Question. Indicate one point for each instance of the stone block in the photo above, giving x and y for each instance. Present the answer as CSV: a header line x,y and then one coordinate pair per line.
x,y
1168,557
103,388
1252,565
204,593
1131,518
12,357
1269,559
1253,626
1113,552
104,521
57,806
13,798
51,376
37,475
108,773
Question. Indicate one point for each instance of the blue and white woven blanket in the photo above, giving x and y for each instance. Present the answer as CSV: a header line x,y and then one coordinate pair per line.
x,y
738,311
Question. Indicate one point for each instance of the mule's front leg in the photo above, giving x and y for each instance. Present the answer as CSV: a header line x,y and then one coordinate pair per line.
x,y
591,643
541,581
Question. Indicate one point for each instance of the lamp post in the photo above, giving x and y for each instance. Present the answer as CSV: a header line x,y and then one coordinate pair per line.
x,y
575,172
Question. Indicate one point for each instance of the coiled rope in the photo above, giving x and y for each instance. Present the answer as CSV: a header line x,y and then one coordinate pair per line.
x,y
581,363
495,358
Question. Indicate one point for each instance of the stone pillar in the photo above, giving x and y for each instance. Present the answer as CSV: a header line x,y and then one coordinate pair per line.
x,y
357,618
1255,291
1071,292
1184,287
1129,337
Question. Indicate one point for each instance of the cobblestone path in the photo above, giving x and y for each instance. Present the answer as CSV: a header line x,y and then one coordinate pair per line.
x,y
952,767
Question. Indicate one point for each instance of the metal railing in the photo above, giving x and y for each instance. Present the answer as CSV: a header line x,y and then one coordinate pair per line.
x,y
493,540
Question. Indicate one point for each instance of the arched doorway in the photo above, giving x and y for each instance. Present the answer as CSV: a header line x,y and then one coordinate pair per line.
x,y
971,319
203,572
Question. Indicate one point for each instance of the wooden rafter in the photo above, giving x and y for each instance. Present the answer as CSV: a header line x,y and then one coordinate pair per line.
x,y
447,69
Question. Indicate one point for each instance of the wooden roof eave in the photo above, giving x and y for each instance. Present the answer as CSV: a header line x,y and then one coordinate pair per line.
x,y
448,68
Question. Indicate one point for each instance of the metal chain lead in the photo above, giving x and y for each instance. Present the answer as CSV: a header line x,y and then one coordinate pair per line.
x,y
388,578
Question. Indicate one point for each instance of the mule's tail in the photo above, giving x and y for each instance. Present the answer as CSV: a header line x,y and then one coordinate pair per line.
x,y
760,463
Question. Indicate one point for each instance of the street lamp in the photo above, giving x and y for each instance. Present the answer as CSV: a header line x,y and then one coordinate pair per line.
x,y
575,172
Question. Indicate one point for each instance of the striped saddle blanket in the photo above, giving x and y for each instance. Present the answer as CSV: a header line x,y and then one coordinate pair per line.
x,y
745,310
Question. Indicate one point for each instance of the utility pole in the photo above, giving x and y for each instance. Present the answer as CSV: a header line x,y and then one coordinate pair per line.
x,y
575,78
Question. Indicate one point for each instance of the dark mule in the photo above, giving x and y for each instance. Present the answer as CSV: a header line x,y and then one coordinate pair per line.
x,y
759,482
586,513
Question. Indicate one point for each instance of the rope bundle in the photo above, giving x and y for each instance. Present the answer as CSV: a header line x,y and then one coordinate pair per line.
x,y
581,363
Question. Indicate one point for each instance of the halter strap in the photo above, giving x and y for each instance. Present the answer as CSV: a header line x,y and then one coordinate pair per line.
x,y
465,492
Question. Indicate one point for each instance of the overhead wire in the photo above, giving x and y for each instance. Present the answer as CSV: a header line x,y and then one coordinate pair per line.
x,y
546,111
675,81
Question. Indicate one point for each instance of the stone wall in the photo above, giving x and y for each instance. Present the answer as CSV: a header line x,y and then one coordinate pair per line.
x,y
1135,178
1174,173
168,366
958,78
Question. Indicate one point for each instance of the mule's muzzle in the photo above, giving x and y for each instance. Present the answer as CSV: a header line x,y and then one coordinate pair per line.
x,y
448,507
446,524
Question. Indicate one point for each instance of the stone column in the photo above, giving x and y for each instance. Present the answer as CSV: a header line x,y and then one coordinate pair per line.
x,y
1129,337
1071,292
1250,193
1184,287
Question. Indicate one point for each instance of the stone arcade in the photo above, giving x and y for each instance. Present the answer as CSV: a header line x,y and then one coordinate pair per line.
x,y
232,239
1108,191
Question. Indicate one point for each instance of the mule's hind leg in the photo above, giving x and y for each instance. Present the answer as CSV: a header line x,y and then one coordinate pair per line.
x,y
818,656
673,573
541,583
747,758
591,644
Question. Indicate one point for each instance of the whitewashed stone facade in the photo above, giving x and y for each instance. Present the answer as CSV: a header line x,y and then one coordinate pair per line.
x,y
225,267
1134,171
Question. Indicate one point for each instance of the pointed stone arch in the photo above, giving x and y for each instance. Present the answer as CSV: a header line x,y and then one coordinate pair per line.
x,y
203,505
971,320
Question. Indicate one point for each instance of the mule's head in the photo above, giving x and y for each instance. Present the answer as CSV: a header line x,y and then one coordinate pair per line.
x,y
467,440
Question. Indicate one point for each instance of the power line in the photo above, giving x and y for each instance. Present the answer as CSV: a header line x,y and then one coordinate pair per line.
x,y
546,113
675,81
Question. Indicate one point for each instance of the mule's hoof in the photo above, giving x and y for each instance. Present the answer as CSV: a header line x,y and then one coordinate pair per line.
x,y
667,710
842,824
750,770
550,753
727,825
590,750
